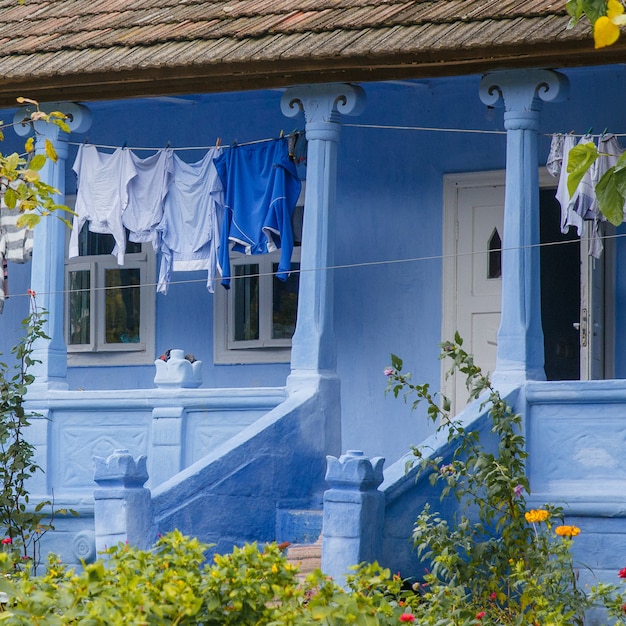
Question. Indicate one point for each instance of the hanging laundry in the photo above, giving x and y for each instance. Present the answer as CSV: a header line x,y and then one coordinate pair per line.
x,y
189,232
146,195
555,156
261,188
581,209
103,193
16,246
569,216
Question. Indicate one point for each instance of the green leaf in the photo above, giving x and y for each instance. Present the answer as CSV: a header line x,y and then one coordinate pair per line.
x,y
579,160
51,152
29,220
10,198
37,162
610,200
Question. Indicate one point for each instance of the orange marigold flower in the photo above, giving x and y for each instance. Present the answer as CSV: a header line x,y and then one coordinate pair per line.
x,y
536,515
567,531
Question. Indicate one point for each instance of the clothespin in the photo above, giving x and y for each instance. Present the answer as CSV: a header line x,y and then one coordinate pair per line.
x,y
282,134
218,142
168,144
590,130
604,131
124,145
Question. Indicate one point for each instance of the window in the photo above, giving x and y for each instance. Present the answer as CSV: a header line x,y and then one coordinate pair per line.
x,y
109,308
255,319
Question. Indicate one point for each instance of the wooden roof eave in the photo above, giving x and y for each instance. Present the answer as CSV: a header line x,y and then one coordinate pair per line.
x,y
262,74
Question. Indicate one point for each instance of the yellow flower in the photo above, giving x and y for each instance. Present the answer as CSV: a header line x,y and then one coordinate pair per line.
x,y
614,8
567,531
606,28
536,515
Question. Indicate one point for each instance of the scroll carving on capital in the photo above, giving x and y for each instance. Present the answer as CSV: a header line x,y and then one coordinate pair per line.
x,y
323,103
521,90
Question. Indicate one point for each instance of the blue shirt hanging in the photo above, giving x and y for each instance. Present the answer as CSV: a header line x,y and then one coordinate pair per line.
x,y
261,188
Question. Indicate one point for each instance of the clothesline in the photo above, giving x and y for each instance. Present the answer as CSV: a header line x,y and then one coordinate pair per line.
x,y
180,149
435,257
436,129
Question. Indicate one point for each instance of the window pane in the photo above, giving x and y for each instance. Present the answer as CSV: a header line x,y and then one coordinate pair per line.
x,y
246,299
285,303
80,311
122,301
97,243
494,269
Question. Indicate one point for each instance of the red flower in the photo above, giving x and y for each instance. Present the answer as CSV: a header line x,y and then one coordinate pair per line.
x,y
7,540
407,617
622,573
493,595
624,608
480,615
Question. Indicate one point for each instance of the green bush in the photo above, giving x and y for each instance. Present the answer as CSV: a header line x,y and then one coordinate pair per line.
x,y
172,584
495,561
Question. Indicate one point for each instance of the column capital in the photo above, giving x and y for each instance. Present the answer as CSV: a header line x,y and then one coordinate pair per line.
x,y
323,106
522,92
78,119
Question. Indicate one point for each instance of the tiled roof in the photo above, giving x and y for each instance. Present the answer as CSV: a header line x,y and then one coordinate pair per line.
x,y
85,49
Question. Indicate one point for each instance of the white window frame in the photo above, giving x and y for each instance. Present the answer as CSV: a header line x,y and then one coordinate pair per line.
x,y
227,351
265,349
98,351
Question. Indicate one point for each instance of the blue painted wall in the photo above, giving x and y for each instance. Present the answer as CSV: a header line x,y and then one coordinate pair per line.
x,y
389,200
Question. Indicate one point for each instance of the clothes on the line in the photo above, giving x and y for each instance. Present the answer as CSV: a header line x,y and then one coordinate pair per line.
x,y
146,194
102,195
193,213
16,246
189,233
581,209
261,188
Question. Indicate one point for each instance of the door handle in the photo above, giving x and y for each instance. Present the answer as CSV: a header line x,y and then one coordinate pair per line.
x,y
582,327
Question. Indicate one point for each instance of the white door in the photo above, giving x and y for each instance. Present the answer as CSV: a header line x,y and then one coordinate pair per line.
x,y
473,221
473,293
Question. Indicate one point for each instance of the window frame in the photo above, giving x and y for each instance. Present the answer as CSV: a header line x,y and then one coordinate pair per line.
x,y
98,351
264,350
226,349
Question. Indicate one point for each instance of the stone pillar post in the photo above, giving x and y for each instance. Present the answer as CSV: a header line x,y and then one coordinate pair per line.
x,y
47,271
168,431
313,346
520,354
123,507
354,511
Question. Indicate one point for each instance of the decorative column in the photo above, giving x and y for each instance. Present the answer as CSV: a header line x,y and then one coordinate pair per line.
x,y
354,511
123,507
520,353
313,346
47,270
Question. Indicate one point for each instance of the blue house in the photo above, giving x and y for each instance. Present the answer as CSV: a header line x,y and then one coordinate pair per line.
x,y
426,209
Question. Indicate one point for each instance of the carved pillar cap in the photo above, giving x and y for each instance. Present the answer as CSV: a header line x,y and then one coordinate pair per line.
x,y
323,106
354,470
120,470
522,92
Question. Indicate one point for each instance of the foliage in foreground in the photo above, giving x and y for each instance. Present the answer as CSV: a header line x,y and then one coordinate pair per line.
x,y
605,16
172,584
495,562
